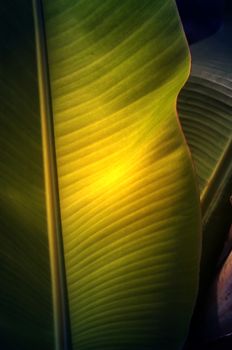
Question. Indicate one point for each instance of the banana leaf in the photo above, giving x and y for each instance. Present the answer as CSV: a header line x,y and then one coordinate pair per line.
x,y
122,206
26,320
205,109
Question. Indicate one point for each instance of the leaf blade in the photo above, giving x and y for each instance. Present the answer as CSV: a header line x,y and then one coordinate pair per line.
x,y
120,155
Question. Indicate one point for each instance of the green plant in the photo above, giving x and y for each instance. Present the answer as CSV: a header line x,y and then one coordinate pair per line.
x,y
119,205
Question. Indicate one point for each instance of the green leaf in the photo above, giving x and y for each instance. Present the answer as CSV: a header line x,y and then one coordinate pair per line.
x,y
25,289
205,108
129,204
128,199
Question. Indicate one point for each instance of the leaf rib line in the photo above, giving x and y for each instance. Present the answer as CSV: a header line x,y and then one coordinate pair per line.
x,y
59,286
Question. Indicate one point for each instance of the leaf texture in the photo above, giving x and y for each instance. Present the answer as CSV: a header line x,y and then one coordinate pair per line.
x,y
129,204
205,105
25,288
205,109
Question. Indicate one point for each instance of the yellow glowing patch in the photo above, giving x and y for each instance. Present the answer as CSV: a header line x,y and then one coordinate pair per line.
x,y
111,178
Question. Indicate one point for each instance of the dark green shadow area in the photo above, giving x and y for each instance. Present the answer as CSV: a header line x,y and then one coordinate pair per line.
x,y
26,320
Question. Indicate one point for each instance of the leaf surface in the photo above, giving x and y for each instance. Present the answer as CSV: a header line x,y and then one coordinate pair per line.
x,y
205,109
26,320
129,204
